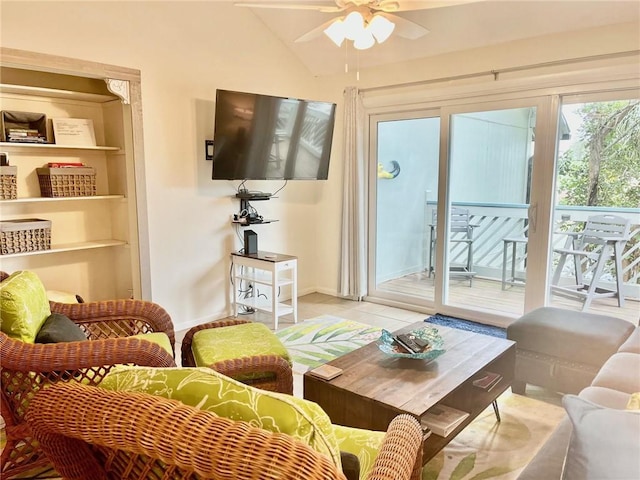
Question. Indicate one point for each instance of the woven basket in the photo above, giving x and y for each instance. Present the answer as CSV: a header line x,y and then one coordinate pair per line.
x,y
24,235
67,182
8,185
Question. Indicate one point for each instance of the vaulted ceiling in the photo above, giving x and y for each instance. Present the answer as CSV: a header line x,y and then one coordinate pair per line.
x,y
452,28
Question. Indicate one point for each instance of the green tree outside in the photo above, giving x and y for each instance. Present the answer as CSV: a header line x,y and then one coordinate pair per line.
x,y
603,167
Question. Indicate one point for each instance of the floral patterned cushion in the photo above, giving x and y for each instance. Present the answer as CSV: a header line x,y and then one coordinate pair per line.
x,y
235,341
365,444
209,390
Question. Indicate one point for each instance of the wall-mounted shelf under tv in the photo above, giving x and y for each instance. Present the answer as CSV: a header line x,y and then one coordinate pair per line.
x,y
254,196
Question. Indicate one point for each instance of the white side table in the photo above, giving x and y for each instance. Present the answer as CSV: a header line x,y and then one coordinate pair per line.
x,y
269,270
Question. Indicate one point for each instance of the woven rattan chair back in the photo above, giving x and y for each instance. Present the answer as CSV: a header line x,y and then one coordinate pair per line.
x,y
147,437
26,368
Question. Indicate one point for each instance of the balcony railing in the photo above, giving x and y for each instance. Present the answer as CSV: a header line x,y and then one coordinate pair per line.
x,y
494,222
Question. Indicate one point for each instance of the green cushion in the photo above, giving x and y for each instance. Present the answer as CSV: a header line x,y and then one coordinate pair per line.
x,y
365,444
160,338
211,391
59,328
61,297
23,306
236,341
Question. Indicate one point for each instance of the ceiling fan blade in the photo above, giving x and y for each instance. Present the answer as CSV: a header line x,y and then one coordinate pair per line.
x,y
318,5
315,33
409,5
406,28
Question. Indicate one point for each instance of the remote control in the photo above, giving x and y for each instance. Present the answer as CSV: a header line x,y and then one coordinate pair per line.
x,y
409,343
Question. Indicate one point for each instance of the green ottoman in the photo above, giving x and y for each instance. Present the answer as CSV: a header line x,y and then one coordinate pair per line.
x,y
246,351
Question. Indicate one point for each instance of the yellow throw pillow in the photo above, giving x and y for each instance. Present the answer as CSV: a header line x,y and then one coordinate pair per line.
x,y
634,402
24,306
209,390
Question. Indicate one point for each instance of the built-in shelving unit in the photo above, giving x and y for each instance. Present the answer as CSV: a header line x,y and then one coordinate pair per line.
x,y
99,244
53,146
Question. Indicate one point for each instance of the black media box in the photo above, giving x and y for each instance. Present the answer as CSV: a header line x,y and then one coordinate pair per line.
x,y
250,242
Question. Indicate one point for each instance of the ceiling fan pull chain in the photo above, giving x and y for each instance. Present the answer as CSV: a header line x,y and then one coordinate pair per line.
x,y
346,57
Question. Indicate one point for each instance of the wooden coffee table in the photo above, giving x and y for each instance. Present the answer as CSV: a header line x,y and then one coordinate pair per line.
x,y
374,388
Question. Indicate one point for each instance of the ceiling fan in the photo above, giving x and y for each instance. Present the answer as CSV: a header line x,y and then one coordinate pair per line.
x,y
364,22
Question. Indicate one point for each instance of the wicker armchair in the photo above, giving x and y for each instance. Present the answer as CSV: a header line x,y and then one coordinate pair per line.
x,y
280,375
26,368
88,432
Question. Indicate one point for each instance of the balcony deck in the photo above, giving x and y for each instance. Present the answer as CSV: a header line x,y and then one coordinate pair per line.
x,y
488,294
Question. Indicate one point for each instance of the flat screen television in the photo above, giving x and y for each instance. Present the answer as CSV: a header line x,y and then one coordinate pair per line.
x,y
262,137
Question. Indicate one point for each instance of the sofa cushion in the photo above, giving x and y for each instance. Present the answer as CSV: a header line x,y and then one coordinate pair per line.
x,y
621,372
564,334
632,344
591,452
23,306
548,462
59,328
209,390
606,397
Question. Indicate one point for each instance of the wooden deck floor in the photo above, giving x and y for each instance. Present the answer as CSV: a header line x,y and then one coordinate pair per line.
x,y
489,295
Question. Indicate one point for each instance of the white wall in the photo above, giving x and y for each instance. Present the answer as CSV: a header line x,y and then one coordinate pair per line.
x,y
185,50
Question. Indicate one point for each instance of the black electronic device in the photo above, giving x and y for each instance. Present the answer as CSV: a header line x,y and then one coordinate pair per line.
x,y
250,242
264,137
410,343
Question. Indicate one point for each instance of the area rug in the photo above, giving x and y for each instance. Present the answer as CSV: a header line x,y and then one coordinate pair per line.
x,y
468,325
321,339
487,449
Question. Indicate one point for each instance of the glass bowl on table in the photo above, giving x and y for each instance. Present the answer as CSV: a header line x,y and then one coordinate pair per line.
x,y
427,335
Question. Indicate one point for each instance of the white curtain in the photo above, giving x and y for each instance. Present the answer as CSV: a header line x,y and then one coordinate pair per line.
x,y
353,265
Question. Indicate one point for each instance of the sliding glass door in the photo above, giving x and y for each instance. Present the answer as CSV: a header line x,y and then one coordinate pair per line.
x,y
469,200
405,188
490,162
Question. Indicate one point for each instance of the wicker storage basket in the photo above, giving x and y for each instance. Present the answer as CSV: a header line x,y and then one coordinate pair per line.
x,y
8,185
24,235
67,182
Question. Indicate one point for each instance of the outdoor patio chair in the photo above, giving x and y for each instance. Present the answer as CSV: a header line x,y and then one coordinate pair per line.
x,y
150,437
462,234
26,367
602,240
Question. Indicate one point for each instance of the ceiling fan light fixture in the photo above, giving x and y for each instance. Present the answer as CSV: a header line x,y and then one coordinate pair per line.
x,y
365,40
381,27
336,32
353,25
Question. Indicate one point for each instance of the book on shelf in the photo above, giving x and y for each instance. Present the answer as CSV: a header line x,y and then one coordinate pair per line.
x,y
442,419
487,380
326,372
65,164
